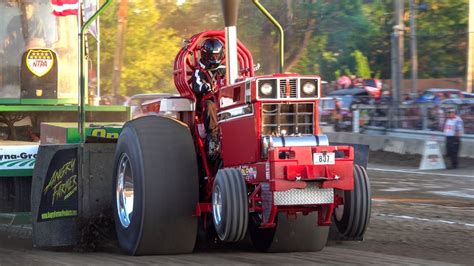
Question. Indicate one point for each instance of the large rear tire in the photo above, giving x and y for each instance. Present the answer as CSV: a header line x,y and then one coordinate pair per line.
x,y
289,235
230,205
352,218
155,187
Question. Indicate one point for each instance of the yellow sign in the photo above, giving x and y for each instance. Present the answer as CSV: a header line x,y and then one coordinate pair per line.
x,y
102,132
40,62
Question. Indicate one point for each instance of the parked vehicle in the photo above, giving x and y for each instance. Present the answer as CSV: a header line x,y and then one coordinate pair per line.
x,y
436,95
348,98
373,87
359,92
457,101
467,95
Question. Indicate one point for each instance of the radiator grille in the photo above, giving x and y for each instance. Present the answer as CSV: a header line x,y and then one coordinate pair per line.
x,y
287,119
288,88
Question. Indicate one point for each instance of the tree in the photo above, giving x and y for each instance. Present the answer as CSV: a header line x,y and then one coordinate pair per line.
x,y
442,39
149,50
298,54
323,37
362,65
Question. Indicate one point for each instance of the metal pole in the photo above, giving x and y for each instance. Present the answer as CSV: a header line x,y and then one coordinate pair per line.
x,y
280,29
118,59
398,31
414,49
470,51
82,76
391,110
98,56
81,55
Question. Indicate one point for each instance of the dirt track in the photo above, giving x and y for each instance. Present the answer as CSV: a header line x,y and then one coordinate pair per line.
x,y
421,216
417,218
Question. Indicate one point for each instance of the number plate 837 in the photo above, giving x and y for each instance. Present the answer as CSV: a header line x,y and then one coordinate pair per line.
x,y
323,158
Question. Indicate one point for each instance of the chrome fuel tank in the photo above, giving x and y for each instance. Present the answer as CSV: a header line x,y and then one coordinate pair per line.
x,y
292,141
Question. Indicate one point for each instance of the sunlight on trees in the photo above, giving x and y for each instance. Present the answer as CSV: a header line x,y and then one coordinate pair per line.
x,y
323,37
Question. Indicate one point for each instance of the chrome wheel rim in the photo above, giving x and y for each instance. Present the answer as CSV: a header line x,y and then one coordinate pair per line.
x,y
124,190
217,205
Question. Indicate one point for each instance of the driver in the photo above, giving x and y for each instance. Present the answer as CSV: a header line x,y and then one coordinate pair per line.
x,y
203,80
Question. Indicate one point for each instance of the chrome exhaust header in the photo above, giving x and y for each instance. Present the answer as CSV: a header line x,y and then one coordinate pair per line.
x,y
230,10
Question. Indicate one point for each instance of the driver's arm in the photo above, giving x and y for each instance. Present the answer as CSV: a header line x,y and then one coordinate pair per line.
x,y
199,84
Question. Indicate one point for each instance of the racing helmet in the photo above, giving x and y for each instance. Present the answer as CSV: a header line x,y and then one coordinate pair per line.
x,y
212,53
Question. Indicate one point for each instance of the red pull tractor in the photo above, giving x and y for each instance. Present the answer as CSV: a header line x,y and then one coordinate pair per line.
x,y
277,178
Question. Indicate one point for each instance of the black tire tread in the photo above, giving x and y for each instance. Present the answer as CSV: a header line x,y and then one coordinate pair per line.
x,y
169,187
242,216
234,197
357,214
365,185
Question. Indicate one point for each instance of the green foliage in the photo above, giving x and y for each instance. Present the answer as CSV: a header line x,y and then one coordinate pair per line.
x,y
442,39
149,50
348,37
362,64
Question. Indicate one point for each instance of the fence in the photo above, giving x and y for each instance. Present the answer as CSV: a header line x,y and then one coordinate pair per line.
x,y
407,116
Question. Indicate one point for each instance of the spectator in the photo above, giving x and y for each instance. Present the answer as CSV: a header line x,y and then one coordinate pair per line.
x,y
467,115
453,129
336,115
440,117
437,98
386,97
344,82
407,99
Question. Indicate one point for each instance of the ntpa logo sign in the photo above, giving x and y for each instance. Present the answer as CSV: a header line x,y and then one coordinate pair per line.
x,y
40,62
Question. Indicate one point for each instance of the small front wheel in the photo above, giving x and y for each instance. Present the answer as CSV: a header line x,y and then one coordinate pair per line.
x,y
230,205
352,218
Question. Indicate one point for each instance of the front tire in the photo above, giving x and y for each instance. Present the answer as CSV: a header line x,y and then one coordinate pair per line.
x,y
155,187
352,218
230,205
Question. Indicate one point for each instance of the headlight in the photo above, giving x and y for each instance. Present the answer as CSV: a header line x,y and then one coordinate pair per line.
x,y
309,88
266,89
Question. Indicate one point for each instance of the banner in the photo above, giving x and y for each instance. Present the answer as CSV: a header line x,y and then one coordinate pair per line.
x,y
18,157
90,7
59,195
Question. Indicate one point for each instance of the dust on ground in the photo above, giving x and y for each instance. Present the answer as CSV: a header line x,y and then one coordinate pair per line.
x,y
409,218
